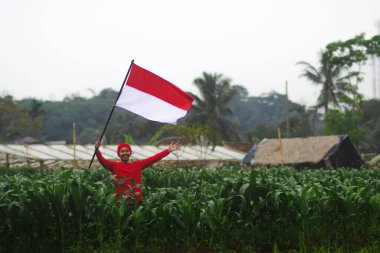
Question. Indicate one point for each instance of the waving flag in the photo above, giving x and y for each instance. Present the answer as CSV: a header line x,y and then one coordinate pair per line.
x,y
152,97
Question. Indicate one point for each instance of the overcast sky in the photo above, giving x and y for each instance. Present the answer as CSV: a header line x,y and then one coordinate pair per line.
x,y
50,49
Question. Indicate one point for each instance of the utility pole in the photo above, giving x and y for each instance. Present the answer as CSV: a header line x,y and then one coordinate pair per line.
x,y
377,69
374,81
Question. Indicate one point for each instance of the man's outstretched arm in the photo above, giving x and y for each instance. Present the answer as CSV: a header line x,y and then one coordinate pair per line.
x,y
107,164
174,146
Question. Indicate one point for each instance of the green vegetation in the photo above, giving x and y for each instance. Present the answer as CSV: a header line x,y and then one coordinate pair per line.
x,y
229,209
339,72
339,75
212,108
371,124
90,116
17,121
329,76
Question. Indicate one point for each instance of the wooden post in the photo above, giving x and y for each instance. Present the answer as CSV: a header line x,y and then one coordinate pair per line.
x,y
75,164
7,161
42,165
27,155
281,149
286,110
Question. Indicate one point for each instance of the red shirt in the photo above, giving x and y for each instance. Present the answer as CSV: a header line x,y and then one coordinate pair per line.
x,y
128,175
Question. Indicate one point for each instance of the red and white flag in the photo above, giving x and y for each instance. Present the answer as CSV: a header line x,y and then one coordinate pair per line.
x,y
152,97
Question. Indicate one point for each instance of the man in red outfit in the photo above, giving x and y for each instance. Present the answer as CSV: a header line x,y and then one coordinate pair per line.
x,y
128,174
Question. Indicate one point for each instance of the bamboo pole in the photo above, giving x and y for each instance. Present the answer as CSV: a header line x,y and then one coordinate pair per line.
x,y
281,148
75,164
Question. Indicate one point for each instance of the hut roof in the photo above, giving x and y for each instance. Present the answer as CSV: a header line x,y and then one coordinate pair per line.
x,y
309,150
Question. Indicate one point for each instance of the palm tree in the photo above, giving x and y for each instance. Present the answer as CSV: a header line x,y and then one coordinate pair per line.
x,y
211,108
329,76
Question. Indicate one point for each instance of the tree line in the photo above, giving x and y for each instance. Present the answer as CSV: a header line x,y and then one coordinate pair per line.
x,y
222,111
240,119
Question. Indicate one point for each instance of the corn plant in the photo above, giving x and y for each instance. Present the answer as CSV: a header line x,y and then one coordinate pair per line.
x,y
192,209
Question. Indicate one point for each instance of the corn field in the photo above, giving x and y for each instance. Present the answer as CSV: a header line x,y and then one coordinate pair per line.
x,y
229,209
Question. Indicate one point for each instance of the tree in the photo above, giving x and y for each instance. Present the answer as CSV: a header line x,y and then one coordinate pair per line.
x,y
36,110
349,54
353,51
90,116
299,126
339,72
87,135
299,122
370,122
329,76
352,54
263,131
212,107
35,115
345,122
15,122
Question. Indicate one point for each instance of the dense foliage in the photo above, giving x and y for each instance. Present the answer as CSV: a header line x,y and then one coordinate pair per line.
x,y
259,117
339,75
91,115
371,124
17,121
228,209
212,107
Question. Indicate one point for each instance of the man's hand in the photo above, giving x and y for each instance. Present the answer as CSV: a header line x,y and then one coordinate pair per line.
x,y
174,146
97,144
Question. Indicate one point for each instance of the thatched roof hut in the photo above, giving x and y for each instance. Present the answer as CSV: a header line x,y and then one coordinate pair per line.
x,y
310,152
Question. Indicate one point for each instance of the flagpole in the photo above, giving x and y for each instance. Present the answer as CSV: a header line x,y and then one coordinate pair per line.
x,y
113,108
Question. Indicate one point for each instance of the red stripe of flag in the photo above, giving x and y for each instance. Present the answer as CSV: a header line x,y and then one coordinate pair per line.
x,y
148,82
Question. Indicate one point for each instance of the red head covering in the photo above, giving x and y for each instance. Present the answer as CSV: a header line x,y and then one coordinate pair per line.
x,y
123,145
